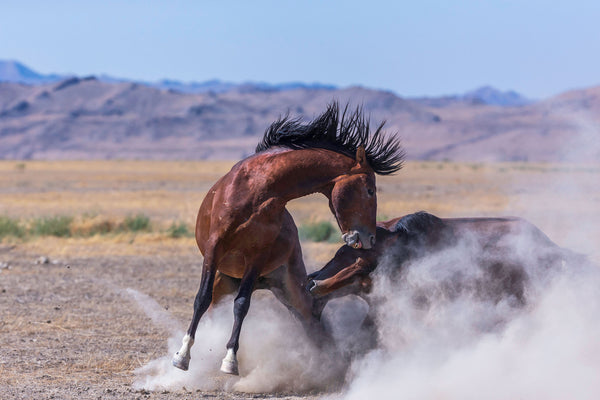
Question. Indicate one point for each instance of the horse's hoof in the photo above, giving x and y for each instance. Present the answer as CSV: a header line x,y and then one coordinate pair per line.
x,y
229,367
181,362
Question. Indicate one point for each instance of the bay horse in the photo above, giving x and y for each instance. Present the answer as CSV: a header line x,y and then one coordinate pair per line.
x,y
245,232
507,250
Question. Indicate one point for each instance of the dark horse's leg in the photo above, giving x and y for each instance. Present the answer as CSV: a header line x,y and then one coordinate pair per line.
x,y
240,310
287,284
181,359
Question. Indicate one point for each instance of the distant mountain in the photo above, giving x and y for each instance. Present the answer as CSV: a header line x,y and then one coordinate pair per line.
x,y
217,86
14,71
83,118
485,95
490,95
54,117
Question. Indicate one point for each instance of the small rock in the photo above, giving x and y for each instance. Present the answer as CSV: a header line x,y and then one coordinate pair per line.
x,y
42,260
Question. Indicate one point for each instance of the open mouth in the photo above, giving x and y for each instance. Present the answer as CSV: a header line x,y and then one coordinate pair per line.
x,y
352,239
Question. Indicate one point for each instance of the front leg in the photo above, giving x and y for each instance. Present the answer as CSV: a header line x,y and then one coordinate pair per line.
x,y
356,272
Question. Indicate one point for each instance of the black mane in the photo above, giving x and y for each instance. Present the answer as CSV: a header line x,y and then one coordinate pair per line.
x,y
343,135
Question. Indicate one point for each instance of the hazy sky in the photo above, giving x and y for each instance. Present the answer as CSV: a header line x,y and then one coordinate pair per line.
x,y
423,47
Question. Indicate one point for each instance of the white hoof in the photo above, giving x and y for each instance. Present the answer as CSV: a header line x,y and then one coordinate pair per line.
x,y
229,367
230,364
181,362
181,359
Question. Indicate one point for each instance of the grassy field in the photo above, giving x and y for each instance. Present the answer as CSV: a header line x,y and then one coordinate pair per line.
x,y
562,200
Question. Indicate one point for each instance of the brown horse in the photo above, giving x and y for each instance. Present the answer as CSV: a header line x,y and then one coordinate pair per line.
x,y
506,249
245,233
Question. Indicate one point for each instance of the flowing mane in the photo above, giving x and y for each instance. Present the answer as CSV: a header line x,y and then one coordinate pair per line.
x,y
341,134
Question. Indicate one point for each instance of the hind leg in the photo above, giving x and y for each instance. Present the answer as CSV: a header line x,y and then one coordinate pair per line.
x,y
287,283
181,359
240,310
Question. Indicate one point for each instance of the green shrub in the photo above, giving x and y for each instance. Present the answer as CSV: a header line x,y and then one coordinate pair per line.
x,y
316,231
10,227
52,226
139,222
179,230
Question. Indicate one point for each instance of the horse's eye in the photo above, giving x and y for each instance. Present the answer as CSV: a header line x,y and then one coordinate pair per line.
x,y
371,192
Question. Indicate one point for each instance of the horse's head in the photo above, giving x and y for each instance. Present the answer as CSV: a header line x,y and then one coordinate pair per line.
x,y
349,269
353,201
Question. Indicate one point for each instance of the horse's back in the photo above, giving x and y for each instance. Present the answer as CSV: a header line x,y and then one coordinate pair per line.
x,y
501,242
496,230
507,251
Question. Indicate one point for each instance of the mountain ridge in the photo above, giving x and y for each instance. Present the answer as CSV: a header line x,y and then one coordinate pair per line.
x,y
88,118
16,72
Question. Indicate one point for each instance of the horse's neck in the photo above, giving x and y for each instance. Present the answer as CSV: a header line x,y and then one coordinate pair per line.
x,y
297,173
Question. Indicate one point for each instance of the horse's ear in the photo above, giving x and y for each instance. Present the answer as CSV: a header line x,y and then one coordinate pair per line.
x,y
361,156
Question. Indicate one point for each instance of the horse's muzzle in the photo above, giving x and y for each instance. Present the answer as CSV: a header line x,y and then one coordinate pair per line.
x,y
353,239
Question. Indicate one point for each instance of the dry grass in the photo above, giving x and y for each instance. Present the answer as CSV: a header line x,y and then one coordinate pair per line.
x,y
106,192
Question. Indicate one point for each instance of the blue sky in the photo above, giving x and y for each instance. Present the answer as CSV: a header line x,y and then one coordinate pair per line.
x,y
413,48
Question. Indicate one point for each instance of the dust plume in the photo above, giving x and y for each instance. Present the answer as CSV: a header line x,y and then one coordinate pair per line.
x,y
152,309
460,345
275,354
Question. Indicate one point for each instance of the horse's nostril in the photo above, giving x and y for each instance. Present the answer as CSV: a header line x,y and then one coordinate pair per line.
x,y
372,240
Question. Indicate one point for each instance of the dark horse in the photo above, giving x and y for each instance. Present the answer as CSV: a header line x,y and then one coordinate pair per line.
x,y
506,250
245,233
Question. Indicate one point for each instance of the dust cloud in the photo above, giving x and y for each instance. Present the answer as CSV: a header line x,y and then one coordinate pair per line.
x,y
464,346
275,354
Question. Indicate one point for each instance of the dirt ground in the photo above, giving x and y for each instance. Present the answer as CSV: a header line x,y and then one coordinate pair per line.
x,y
69,328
